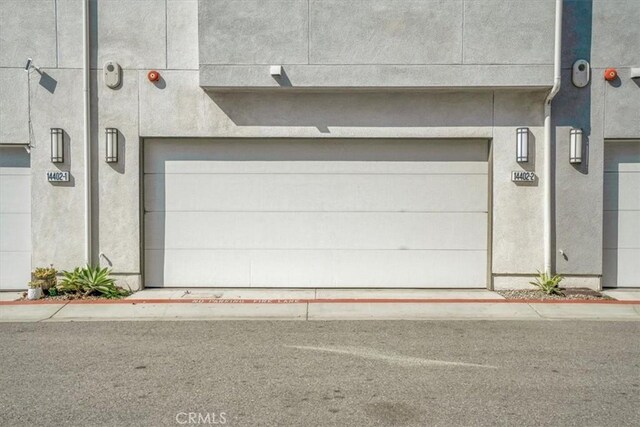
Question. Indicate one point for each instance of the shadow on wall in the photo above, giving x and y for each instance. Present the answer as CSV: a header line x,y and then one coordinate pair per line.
x,y
97,155
338,109
530,165
48,82
611,226
161,83
572,106
93,28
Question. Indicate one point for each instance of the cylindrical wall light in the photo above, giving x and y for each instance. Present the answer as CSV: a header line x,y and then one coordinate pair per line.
x,y
57,145
111,144
575,146
522,145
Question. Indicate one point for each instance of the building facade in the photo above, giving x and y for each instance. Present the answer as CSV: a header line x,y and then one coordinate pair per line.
x,y
321,143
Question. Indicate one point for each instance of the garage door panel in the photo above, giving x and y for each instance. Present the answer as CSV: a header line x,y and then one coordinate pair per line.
x,y
621,191
298,268
15,218
304,192
15,232
320,167
621,240
622,156
310,230
313,156
187,268
621,267
14,160
431,268
316,213
622,229
15,194
353,268
15,270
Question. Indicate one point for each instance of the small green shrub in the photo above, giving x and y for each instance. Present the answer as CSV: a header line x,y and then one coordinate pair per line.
x,y
91,281
548,284
45,276
35,284
70,281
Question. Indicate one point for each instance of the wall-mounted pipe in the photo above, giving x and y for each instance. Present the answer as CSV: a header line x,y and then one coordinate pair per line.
x,y
86,47
548,175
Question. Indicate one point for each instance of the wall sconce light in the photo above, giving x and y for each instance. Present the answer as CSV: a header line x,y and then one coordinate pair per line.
x,y
522,145
111,140
575,146
57,145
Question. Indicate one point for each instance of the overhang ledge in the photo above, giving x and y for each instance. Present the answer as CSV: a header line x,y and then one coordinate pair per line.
x,y
375,77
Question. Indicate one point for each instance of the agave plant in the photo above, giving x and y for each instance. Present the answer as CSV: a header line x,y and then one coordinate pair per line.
x,y
98,280
69,282
548,284
91,280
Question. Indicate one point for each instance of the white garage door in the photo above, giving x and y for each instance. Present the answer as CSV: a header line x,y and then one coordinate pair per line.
x,y
15,218
316,213
621,251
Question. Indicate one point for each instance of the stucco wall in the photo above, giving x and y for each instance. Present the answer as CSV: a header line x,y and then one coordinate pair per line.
x,y
139,35
392,32
376,43
163,35
616,43
605,33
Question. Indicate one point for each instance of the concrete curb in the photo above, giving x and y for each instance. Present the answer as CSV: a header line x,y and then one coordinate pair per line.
x,y
316,309
317,301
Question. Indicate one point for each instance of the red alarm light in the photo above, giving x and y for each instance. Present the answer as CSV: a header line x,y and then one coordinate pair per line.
x,y
153,76
610,74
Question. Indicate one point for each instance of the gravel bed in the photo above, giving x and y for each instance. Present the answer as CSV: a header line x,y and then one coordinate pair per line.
x,y
568,294
63,297
512,294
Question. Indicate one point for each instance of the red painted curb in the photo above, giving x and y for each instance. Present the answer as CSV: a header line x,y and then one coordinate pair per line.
x,y
319,301
36,302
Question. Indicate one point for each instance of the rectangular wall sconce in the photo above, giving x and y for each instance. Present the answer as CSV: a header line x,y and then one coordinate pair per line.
x,y
57,145
111,140
575,146
522,145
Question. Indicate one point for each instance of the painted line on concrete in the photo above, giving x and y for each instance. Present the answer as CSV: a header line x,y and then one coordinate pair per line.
x,y
391,358
319,301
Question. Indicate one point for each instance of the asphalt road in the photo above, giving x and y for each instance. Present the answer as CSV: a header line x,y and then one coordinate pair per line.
x,y
320,373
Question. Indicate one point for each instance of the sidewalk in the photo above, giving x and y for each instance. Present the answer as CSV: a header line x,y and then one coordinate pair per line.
x,y
320,304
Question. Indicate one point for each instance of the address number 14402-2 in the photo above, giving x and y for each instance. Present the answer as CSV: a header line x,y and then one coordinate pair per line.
x,y
523,176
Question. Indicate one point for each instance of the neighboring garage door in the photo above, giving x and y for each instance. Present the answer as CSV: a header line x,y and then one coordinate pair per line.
x,y
15,218
621,214
316,213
